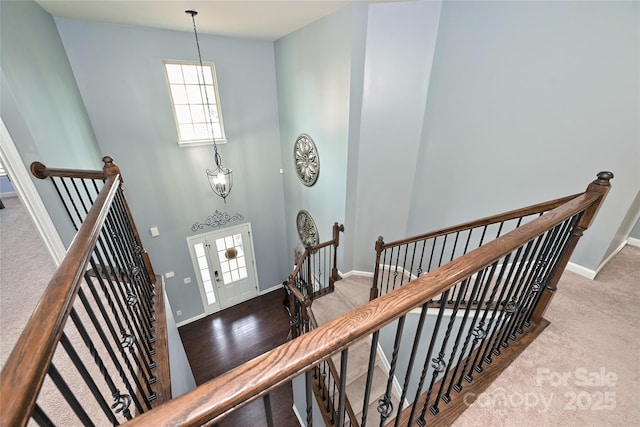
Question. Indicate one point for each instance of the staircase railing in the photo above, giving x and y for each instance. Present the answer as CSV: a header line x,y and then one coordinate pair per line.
x,y
111,361
401,261
522,266
314,275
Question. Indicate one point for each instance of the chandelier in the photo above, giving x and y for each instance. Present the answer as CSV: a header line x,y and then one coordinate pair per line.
x,y
221,178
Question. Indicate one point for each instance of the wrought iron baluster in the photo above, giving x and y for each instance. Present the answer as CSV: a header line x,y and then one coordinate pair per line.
x,y
135,268
367,388
476,331
122,296
480,332
98,360
412,358
41,417
68,395
72,201
385,405
117,338
425,367
122,313
441,366
499,310
513,304
84,373
267,409
343,385
308,392
65,204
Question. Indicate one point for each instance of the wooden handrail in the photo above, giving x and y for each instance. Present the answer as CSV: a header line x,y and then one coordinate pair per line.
x,y
40,171
214,399
506,216
27,365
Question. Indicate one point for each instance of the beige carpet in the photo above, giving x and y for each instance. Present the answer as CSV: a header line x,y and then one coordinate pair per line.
x,y
25,270
584,369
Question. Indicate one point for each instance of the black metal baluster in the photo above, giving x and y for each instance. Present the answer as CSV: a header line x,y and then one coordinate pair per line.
x,y
134,271
473,329
123,339
84,373
513,305
308,382
367,388
121,302
41,418
80,198
395,269
542,275
125,304
69,396
544,243
130,298
440,360
574,222
343,385
480,331
121,399
66,206
499,310
385,405
73,203
139,251
386,267
267,409
412,357
425,367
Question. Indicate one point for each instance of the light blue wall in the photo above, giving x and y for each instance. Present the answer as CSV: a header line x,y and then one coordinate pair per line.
x,y
313,73
527,102
40,102
400,43
120,74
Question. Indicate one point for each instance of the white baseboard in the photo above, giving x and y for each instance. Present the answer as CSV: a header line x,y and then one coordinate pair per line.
x,y
271,289
632,241
8,194
355,272
192,319
583,271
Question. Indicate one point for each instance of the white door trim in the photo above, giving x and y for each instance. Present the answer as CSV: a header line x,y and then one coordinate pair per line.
x,y
28,195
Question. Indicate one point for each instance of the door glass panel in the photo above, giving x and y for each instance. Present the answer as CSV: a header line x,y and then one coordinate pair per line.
x,y
231,267
203,270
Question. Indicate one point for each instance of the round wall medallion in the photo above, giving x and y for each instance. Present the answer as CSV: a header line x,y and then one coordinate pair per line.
x,y
307,230
306,159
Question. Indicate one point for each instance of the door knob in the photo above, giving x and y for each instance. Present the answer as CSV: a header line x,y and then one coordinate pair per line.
x,y
215,273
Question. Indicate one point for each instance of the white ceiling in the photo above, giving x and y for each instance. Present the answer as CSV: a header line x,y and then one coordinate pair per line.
x,y
266,19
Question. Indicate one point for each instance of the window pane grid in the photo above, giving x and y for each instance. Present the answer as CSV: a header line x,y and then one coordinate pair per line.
x,y
190,97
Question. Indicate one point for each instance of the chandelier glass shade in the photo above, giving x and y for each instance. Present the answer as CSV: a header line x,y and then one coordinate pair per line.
x,y
221,178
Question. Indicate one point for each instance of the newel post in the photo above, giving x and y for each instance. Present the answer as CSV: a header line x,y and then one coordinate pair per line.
x,y
336,242
111,169
376,269
600,186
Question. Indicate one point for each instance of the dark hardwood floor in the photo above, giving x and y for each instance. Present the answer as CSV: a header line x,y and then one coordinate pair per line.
x,y
227,339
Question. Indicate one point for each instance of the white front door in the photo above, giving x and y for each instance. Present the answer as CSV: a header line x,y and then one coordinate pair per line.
x,y
225,266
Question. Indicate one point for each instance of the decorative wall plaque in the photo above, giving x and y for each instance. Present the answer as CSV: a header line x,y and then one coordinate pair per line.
x,y
306,159
307,230
218,219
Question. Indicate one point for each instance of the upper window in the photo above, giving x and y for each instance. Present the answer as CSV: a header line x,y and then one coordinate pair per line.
x,y
190,95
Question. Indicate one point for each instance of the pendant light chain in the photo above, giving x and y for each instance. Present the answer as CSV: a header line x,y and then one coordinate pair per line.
x,y
221,179
193,14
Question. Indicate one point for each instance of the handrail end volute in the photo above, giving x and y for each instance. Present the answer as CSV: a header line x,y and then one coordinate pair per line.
x,y
38,170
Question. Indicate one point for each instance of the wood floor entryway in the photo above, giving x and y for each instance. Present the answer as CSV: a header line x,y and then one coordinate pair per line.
x,y
228,338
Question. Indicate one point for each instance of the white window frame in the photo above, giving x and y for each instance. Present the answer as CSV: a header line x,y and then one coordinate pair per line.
x,y
214,102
